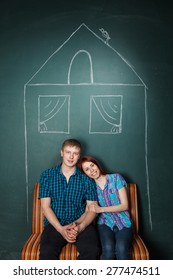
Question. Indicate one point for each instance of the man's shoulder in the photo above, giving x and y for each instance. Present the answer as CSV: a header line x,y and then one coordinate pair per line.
x,y
51,171
84,177
81,174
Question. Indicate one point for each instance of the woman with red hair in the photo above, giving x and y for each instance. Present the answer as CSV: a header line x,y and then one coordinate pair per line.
x,y
114,223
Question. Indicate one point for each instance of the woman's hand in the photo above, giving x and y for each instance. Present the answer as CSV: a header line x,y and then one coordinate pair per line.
x,y
93,207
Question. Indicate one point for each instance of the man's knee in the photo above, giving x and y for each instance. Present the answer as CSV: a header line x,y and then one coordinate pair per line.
x,y
48,252
86,253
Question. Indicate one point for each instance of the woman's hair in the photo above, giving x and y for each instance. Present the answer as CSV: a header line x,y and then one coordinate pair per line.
x,y
91,159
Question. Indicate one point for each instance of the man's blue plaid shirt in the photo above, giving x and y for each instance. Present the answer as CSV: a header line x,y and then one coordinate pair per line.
x,y
68,200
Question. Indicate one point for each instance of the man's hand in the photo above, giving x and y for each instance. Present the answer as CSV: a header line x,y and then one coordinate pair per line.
x,y
86,218
69,232
79,227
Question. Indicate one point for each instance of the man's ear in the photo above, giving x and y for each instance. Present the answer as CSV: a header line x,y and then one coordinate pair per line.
x,y
61,152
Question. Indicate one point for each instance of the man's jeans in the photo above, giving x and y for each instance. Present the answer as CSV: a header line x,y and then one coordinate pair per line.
x,y
87,244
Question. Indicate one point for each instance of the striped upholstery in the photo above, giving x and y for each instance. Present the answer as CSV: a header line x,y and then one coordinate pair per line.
x,y
138,250
30,250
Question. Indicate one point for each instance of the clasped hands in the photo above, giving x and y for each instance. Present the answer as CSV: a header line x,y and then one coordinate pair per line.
x,y
70,232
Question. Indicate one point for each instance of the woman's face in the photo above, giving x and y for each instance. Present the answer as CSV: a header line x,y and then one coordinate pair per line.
x,y
91,170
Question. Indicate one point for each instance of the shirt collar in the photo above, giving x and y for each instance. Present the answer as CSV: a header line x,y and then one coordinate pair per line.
x,y
76,172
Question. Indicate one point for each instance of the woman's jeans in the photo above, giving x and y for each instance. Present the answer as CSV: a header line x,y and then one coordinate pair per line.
x,y
115,243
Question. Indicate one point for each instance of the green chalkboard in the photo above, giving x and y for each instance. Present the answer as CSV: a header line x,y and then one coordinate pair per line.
x,y
87,90
97,71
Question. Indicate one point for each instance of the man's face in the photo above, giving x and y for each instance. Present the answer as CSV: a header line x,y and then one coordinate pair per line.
x,y
70,155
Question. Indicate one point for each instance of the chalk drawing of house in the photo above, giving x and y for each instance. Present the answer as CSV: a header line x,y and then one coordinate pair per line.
x,y
84,81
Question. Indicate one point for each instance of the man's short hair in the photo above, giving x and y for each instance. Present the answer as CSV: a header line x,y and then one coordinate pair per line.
x,y
72,143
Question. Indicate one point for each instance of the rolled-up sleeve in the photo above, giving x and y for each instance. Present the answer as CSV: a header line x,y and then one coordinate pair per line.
x,y
91,193
44,186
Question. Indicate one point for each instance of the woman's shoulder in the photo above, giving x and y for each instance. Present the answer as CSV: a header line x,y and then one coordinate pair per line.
x,y
116,177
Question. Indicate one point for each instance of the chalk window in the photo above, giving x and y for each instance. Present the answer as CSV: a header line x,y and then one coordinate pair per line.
x,y
53,113
105,114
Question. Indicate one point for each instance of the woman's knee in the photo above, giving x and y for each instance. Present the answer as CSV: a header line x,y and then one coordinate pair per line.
x,y
107,254
122,251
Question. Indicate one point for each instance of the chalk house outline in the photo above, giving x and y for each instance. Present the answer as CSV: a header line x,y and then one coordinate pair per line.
x,y
56,80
